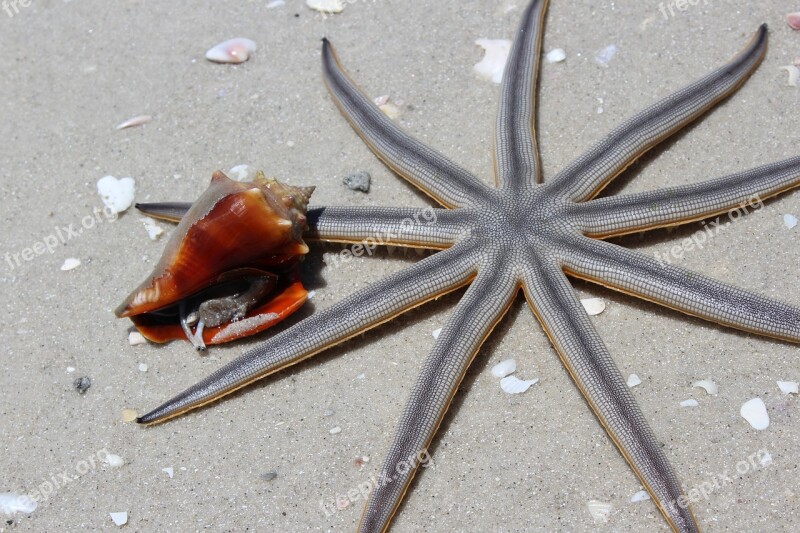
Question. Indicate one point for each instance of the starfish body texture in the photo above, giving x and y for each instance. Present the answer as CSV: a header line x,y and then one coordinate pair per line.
x,y
524,234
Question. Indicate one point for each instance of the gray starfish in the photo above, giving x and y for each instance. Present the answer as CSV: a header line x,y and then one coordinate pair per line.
x,y
524,234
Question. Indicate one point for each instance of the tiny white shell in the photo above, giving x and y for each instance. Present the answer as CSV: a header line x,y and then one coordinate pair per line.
x,y
794,74
793,20
70,369
114,461
765,459
790,221
235,50
11,503
514,385
335,430
169,471
129,415
135,338
707,384
70,263
242,173
599,510
493,64
138,120
556,55
634,380
117,194
154,231
390,110
593,306
604,56
789,387
143,367
276,3
326,6
119,519
504,368
689,403
640,496
436,333
755,412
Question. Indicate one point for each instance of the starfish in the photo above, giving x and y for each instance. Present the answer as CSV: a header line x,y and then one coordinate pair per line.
x,y
525,234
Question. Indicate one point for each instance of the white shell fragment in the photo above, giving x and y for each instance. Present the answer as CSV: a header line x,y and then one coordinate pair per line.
x,y
117,194
70,263
242,173
143,367
135,338
707,384
593,306
169,471
640,496
114,461
493,64
599,510
790,221
514,385
138,120
765,459
326,6
154,231
129,415
335,430
689,403
11,503
235,50
793,20
119,519
556,55
755,412
794,74
276,3
789,387
436,333
604,56
504,368
634,380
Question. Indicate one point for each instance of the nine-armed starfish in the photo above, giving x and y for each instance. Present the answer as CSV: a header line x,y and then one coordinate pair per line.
x,y
529,234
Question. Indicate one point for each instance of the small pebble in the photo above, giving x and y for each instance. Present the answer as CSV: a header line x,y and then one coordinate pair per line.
x,y
70,263
689,403
70,369
556,55
120,518
268,476
335,430
326,6
82,384
129,415
327,412
142,367
358,181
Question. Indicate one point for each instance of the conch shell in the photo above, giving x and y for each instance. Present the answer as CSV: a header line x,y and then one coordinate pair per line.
x,y
230,268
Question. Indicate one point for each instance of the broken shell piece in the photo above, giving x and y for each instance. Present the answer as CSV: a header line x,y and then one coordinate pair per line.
x,y
599,510
235,50
119,519
230,269
755,412
640,496
793,20
634,380
135,338
556,55
129,415
334,431
604,56
71,263
11,503
789,387
134,121
493,64
242,173
707,384
390,110
117,194
794,74
790,221
436,333
514,385
689,403
114,461
169,471
593,306
154,231
326,6
504,368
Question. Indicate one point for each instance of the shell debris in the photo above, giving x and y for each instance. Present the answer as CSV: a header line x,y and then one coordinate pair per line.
x,y
493,64
334,431
790,221
789,387
114,461
138,120
793,20
143,367
556,55
634,380
604,56
236,50
242,173
70,263
593,306
276,3
169,471
708,385
129,415
117,194
514,385
689,403
794,74
599,510
504,368
119,518
12,503
436,333
135,338
154,231
755,412
326,6
640,496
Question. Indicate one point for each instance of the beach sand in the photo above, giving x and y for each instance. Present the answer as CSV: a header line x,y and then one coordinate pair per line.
x,y
73,70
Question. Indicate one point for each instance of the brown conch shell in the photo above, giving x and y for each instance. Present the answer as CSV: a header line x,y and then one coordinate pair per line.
x,y
230,268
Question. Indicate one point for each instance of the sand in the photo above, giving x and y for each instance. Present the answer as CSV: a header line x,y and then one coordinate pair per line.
x,y
73,70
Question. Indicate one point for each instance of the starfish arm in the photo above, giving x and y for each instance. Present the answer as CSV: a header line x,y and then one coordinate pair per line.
x,y
169,211
445,181
373,305
585,356
681,289
481,308
585,177
618,215
372,226
516,156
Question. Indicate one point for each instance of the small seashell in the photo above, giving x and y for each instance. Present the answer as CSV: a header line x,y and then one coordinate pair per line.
x,y
361,376
689,403
593,306
640,496
789,387
504,368
129,415
335,430
134,121
765,459
604,56
114,461
11,503
70,369
599,510
117,194
143,367
235,50
326,6
169,471
276,3
493,64
70,263
514,385
556,55
793,20
135,338
790,221
390,110
242,173
436,333
634,380
707,384
794,74
119,519
381,100
755,412
154,231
